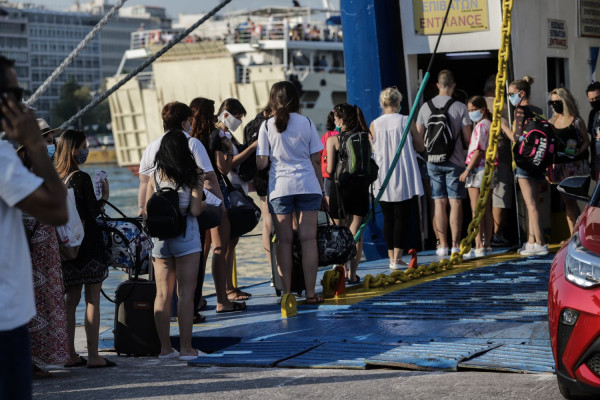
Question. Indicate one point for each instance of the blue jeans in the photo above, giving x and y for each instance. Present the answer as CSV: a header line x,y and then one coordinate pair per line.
x,y
444,181
15,364
295,202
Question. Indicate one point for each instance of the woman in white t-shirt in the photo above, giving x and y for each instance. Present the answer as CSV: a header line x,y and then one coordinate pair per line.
x,y
177,259
473,174
405,185
291,142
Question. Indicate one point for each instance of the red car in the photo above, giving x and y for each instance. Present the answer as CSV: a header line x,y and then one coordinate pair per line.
x,y
574,299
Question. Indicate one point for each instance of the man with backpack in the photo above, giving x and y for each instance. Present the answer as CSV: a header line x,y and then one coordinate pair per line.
x,y
446,128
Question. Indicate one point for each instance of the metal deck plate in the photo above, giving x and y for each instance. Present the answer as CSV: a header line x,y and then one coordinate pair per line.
x,y
515,291
514,358
429,356
257,354
337,355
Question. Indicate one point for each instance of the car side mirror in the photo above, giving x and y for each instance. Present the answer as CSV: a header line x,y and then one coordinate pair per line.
x,y
576,187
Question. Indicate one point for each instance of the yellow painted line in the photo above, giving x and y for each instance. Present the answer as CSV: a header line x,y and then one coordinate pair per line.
x,y
175,324
356,294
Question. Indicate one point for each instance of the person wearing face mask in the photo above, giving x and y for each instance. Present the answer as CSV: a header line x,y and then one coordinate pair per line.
x,y
90,267
48,328
593,95
224,150
518,96
473,174
573,145
405,186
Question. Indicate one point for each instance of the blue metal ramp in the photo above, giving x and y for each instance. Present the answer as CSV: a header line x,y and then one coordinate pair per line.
x,y
522,358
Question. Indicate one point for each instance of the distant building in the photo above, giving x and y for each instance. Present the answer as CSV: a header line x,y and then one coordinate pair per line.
x,y
40,39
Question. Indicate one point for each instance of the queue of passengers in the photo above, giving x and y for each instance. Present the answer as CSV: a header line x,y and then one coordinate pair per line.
x,y
295,179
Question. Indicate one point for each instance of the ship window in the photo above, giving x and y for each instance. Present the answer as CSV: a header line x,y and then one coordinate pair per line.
x,y
309,98
338,97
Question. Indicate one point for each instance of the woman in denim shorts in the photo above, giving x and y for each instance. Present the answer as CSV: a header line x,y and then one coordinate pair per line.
x,y
291,142
177,259
518,95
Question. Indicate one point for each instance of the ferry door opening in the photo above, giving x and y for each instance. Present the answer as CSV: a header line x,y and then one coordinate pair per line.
x,y
470,71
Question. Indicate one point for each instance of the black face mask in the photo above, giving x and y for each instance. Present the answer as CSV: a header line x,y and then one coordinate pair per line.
x,y
557,106
595,105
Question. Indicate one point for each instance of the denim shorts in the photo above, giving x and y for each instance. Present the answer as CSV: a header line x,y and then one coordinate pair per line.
x,y
521,173
295,202
181,245
474,178
445,181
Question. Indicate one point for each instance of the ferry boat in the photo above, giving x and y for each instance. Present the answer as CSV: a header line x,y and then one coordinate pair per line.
x,y
240,54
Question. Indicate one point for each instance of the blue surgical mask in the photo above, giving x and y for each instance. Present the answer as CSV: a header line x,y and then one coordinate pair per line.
x,y
514,99
475,115
82,156
51,149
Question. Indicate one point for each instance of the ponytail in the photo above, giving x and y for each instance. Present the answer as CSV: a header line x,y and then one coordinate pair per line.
x,y
282,117
283,99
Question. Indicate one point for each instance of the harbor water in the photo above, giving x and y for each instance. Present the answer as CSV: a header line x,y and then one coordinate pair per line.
x,y
252,266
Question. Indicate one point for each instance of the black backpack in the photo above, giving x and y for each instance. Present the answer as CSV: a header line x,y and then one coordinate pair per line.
x,y
164,218
355,165
536,148
247,169
439,140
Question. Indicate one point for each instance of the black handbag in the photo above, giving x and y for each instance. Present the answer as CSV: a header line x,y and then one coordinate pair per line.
x,y
244,214
335,244
209,218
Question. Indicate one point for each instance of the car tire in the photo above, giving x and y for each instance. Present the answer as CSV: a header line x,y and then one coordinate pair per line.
x,y
568,394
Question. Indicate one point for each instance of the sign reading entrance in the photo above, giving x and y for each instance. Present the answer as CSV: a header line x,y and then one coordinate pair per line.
x,y
557,33
464,16
589,18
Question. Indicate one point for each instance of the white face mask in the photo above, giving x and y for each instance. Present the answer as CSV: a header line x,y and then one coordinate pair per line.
x,y
231,122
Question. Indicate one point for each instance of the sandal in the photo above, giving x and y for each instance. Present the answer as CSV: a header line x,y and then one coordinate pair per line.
x,y
314,300
202,304
235,307
39,373
199,319
354,282
107,365
239,295
82,362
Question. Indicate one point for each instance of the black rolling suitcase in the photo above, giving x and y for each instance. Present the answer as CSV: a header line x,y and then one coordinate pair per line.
x,y
298,284
134,330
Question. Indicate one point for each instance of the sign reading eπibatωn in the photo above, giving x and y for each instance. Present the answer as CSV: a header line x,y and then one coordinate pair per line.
x,y
464,16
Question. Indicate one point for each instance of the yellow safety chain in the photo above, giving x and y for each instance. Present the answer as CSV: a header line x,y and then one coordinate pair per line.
x,y
465,246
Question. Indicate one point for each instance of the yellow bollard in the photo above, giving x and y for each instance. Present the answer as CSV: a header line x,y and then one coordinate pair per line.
x,y
288,306
234,271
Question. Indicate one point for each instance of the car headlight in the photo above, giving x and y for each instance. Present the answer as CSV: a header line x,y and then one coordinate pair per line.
x,y
582,267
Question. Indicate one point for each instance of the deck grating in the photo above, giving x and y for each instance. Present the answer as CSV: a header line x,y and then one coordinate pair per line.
x,y
514,358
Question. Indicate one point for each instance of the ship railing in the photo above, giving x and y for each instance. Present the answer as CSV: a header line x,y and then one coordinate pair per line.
x,y
254,32
302,70
143,39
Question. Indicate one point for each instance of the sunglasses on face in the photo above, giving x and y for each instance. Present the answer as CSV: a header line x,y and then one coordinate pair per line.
x,y
17,92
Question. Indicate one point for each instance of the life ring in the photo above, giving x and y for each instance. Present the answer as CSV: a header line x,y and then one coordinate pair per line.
x,y
155,37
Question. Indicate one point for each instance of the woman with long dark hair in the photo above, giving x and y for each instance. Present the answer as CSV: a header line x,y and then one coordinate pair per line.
x,y
292,144
90,267
220,152
177,259
347,205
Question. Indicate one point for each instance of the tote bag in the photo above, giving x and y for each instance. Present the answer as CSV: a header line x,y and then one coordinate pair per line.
x,y
70,235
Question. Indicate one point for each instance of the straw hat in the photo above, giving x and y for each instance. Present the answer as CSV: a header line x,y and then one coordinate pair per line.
x,y
45,128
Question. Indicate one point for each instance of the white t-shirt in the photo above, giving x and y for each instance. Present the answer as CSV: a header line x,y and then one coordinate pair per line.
x,y
16,279
197,148
291,170
405,181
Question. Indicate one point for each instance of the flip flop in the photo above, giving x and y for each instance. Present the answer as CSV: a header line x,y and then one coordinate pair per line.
x,y
236,307
355,281
239,295
202,304
315,300
107,365
82,362
199,318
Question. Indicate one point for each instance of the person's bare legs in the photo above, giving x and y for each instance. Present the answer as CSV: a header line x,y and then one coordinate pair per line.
x,y
72,298
283,248
572,211
456,218
488,223
440,223
498,221
529,190
267,228
230,257
307,233
473,196
354,226
186,270
92,322
164,275
220,242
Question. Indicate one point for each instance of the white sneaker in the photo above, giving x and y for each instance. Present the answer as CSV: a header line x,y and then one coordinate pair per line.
x,y
190,358
171,355
487,251
455,250
535,250
479,252
470,254
442,252
394,266
526,247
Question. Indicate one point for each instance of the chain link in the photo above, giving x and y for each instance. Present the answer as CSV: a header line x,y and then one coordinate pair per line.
x,y
490,157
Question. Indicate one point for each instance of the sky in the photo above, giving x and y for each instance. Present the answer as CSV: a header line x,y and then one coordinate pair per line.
x,y
176,7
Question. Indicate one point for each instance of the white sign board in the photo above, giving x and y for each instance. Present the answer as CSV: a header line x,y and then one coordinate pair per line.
x,y
557,33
